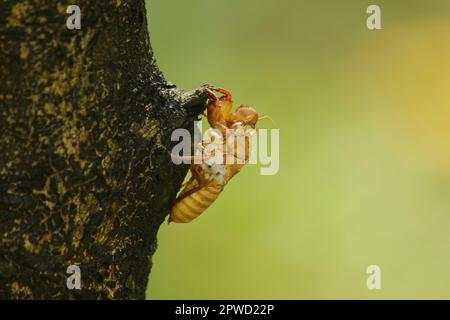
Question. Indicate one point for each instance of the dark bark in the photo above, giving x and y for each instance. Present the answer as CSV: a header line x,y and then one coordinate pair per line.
x,y
85,170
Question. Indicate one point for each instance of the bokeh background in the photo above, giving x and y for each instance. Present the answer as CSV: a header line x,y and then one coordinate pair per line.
x,y
364,153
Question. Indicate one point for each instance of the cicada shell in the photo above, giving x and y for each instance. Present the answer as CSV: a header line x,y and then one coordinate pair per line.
x,y
210,177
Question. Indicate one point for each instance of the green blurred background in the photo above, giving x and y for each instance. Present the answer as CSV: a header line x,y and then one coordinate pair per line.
x,y
364,149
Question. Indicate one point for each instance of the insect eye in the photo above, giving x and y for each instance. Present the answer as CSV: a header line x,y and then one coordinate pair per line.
x,y
209,166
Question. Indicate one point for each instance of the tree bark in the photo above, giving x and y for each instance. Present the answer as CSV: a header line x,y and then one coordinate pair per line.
x,y
85,171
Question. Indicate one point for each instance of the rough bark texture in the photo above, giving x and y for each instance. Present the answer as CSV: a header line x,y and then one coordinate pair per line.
x,y
85,172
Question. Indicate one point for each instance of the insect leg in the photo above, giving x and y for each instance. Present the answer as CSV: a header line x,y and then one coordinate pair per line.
x,y
215,116
222,91
226,102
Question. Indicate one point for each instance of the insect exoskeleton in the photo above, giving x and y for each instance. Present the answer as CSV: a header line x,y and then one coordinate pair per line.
x,y
205,185
210,177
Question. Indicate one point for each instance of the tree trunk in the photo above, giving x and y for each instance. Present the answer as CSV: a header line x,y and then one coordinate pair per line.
x,y
85,171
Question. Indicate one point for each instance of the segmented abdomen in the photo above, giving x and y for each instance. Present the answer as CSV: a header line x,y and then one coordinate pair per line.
x,y
192,205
